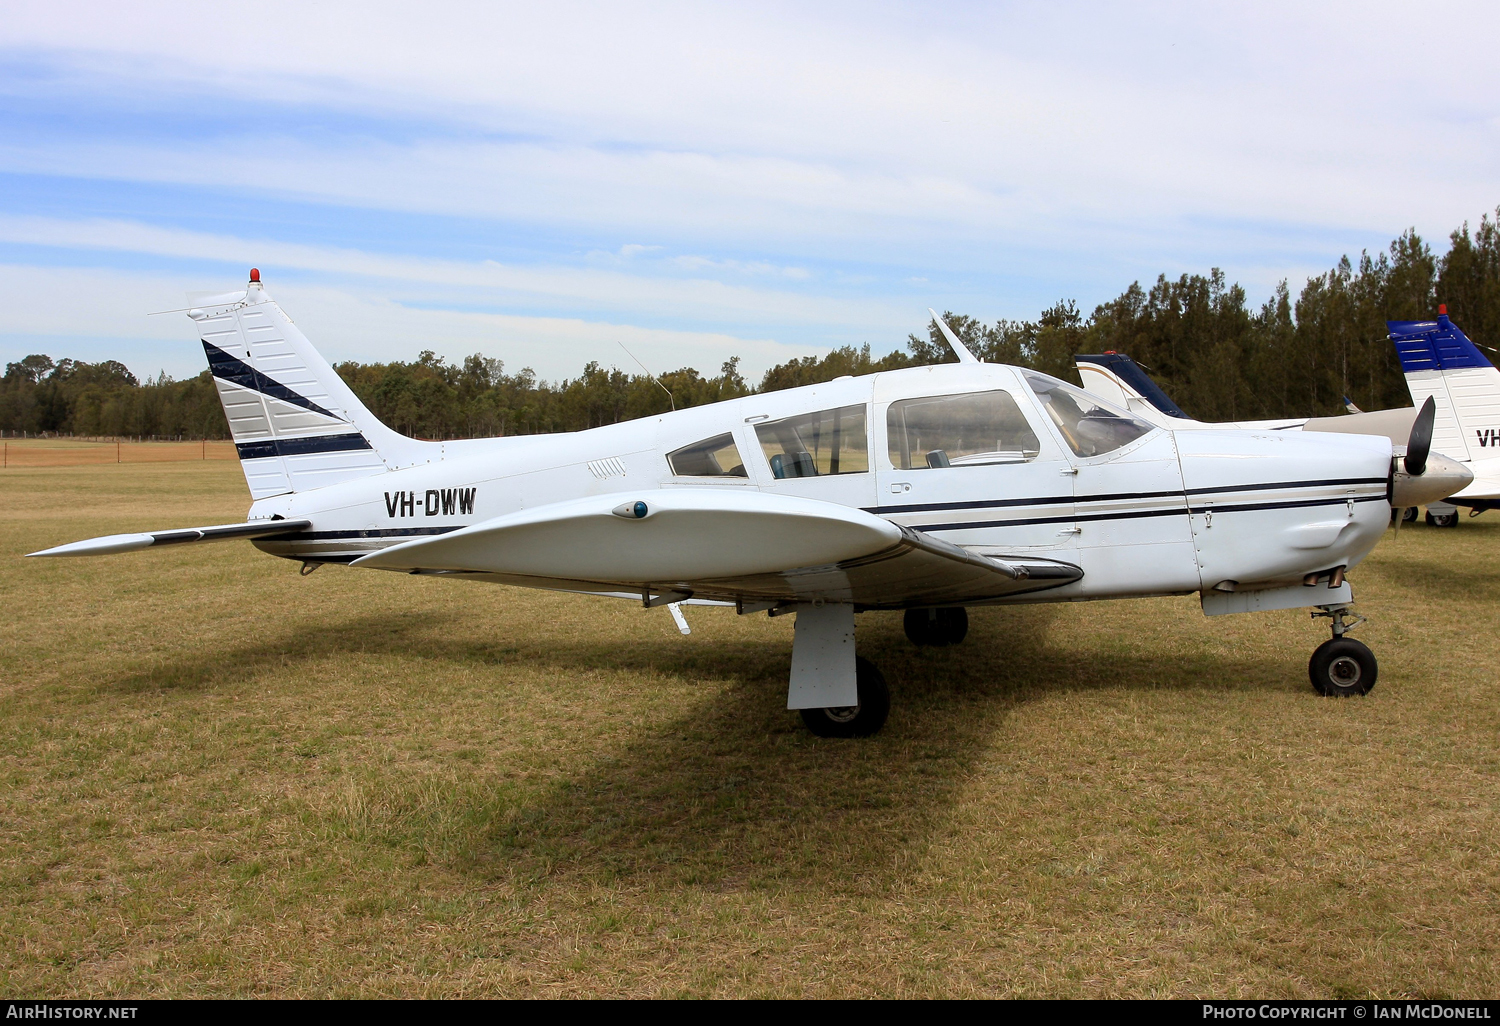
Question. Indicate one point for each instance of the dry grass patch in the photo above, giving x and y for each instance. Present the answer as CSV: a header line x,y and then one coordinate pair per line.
x,y
217,777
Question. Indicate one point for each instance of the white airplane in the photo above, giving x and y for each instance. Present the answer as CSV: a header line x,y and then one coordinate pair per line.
x,y
1118,379
927,490
1442,366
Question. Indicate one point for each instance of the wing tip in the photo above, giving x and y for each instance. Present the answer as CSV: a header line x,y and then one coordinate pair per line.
x,y
99,546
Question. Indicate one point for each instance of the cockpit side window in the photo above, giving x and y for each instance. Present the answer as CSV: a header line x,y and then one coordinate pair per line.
x,y
968,430
1090,426
817,444
713,457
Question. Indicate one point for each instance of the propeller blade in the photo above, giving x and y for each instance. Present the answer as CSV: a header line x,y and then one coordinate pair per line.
x,y
1420,443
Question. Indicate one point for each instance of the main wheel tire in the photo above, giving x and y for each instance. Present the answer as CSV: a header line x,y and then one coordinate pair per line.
x,y
1409,515
934,627
1342,667
1442,519
859,720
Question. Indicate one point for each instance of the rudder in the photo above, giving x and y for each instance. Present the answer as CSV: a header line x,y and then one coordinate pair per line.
x,y
1438,360
295,423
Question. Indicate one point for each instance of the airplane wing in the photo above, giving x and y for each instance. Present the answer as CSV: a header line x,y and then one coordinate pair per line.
x,y
734,545
129,542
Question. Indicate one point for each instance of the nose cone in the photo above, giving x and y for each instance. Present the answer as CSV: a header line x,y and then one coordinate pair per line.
x,y
1440,479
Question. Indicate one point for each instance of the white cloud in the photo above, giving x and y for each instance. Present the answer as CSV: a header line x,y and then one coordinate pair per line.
x,y
97,314
764,120
429,279
766,166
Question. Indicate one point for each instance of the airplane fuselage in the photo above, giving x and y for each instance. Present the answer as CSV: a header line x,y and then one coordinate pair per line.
x,y
1168,512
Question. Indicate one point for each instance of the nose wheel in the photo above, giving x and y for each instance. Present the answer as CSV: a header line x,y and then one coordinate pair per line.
x,y
1341,667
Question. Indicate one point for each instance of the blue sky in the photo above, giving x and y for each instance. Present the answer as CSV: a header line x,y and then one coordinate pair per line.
x,y
702,181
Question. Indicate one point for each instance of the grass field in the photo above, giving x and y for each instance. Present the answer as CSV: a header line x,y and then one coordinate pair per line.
x,y
76,452
218,778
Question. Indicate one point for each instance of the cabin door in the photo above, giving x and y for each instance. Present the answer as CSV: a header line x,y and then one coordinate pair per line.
x,y
971,469
1133,528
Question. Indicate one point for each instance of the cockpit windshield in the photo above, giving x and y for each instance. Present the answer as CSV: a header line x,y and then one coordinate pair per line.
x,y
1090,426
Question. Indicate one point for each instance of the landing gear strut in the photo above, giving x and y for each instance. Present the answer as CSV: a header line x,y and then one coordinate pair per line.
x,y
936,627
1341,667
838,693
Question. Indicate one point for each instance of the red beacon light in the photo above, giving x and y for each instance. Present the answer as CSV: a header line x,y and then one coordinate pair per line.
x,y
255,275
1442,309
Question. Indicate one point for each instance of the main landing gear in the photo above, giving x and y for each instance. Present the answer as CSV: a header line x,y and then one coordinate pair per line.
x,y
1341,666
838,693
864,717
936,627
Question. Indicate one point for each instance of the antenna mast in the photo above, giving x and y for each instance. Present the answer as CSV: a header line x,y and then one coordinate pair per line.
x,y
653,377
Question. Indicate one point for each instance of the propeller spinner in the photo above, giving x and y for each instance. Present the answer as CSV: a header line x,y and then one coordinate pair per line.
x,y
1424,476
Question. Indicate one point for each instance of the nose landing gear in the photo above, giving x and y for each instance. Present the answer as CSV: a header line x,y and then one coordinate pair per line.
x,y
1341,666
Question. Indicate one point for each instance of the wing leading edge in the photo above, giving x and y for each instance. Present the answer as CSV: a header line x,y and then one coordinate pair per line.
x,y
723,544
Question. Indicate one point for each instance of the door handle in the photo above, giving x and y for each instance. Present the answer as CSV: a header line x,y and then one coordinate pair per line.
x,y
899,487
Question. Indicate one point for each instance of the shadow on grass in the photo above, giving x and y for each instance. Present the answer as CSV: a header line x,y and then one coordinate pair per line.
x,y
214,664
1440,581
733,793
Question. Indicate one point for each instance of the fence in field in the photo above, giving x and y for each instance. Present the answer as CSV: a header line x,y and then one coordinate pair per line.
x,y
74,452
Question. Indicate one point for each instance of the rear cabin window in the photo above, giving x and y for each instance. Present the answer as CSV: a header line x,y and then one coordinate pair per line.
x,y
713,457
969,430
817,444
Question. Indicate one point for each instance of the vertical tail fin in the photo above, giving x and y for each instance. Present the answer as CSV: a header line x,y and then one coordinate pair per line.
x,y
295,422
1119,379
1439,361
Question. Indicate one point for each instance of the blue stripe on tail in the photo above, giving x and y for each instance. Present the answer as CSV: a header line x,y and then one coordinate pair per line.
x,y
237,371
301,446
1433,345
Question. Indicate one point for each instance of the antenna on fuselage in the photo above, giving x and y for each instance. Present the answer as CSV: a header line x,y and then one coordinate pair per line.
x,y
653,377
959,349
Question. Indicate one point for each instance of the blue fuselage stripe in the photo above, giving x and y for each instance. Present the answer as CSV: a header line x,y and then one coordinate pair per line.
x,y
1054,500
1244,507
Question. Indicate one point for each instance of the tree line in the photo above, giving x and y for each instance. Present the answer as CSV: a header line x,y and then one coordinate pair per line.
x,y
1218,357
